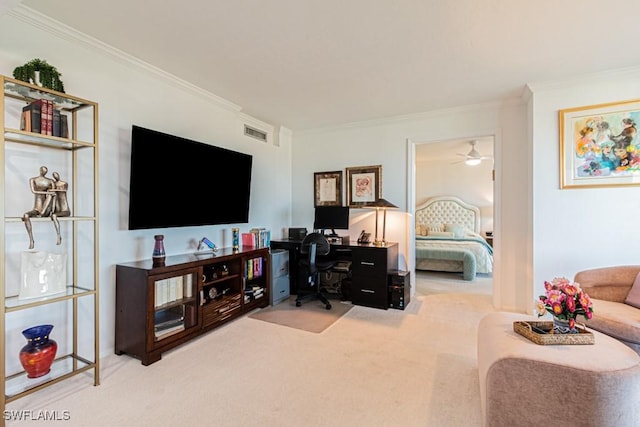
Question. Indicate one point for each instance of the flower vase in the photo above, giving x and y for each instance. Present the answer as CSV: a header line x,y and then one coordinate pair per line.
x,y
37,356
158,250
561,326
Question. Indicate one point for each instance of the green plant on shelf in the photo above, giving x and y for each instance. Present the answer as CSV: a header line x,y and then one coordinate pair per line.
x,y
49,76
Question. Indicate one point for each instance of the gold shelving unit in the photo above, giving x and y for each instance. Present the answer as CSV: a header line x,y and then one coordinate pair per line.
x,y
83,136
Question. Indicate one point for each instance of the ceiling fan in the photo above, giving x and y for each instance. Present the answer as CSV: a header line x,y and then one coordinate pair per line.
x,y
473,157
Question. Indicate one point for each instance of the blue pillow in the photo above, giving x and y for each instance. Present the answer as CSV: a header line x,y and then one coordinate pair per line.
x,y
457,230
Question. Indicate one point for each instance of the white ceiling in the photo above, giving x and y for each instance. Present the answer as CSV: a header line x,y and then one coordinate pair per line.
x,y
310,63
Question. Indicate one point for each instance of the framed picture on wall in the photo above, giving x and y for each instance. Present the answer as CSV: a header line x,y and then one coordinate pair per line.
x,y
327,188
364,185
599,145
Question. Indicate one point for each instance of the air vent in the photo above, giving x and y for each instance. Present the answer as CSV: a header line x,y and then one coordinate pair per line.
x,y
255,133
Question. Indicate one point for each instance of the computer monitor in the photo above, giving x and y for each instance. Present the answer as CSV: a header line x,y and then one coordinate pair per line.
x,y
331,218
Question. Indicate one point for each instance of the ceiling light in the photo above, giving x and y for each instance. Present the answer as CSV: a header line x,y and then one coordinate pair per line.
x,y
472,161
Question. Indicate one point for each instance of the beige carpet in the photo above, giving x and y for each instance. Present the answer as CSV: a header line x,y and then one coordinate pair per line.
x,y
312,316
371,368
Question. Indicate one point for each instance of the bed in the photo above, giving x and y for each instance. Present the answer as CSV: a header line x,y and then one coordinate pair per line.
x,y
448,238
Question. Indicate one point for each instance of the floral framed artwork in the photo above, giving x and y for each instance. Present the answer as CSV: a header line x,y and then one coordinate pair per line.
x,y
599,145
327,188
364,185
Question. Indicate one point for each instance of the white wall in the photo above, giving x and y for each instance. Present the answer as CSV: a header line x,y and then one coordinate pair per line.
x,y
129,92
391,143
580,228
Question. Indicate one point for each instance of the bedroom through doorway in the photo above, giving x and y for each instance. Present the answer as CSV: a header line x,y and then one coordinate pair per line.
x,y
460,169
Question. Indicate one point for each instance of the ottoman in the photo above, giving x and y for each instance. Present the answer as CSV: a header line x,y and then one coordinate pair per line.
x,y
523,383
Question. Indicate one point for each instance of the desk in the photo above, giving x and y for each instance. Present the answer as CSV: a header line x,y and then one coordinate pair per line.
x,y
369,268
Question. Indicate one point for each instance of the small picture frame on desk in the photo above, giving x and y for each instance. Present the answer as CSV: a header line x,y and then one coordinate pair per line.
x,y
327,188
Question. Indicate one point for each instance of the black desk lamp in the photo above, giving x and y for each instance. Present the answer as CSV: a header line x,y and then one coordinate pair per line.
x,y
381,204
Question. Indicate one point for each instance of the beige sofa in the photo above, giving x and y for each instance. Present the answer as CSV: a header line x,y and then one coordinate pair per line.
x,y
608,287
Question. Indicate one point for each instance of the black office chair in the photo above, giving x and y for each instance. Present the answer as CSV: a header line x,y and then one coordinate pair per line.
x,y
314,247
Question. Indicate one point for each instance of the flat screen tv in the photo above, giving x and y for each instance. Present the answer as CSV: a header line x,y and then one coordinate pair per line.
x,y
331,218
177,182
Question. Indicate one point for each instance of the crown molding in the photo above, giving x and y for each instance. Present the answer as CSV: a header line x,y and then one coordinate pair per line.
x,y
58,29
417,116
580,80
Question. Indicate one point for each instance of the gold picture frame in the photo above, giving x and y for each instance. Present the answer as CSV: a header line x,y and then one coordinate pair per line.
x,y
327,188
364,185
599,145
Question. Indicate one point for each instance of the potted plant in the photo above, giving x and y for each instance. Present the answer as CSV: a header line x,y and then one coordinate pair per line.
x,y
47,75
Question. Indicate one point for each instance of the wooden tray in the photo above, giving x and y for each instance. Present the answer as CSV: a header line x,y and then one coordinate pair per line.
x,y
542,333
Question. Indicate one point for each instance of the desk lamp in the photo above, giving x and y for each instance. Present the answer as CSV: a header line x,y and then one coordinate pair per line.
x,y
381,204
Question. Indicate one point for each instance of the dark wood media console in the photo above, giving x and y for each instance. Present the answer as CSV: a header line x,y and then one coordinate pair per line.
x,y
159,307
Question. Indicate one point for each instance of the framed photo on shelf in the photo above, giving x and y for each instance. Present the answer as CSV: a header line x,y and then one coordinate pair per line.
x,y
327,188
599,145
364,185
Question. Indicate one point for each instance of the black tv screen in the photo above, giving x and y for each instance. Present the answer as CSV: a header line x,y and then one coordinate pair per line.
x,y
177,182
331,217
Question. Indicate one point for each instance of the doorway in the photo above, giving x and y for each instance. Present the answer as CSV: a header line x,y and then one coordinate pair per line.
x,y
438,168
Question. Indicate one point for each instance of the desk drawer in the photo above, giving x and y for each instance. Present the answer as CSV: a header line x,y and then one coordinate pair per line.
x,y
371,263
370,293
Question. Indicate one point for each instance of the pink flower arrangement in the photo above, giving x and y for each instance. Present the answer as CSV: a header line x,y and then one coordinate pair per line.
x,y
564,300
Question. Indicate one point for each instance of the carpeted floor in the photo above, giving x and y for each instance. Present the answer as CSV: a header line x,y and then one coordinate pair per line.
x,y
372,367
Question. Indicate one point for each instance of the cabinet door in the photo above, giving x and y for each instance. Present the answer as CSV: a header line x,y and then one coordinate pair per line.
x,y
174,304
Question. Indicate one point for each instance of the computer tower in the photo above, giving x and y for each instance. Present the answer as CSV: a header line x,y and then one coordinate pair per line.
x,y
399,289
279,276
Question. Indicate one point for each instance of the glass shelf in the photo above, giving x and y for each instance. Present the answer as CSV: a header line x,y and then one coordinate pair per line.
x,y
27,92
19,384
13,303
23,137
48,218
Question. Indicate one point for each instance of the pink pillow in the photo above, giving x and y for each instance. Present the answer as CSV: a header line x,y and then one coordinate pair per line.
x,y
633,297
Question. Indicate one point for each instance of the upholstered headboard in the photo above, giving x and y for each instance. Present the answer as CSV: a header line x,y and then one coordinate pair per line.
x,y
441,210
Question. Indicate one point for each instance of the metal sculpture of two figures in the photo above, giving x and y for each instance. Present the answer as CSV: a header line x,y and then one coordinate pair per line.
x,y
50,201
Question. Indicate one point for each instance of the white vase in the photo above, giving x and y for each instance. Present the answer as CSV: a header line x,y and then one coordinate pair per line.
x,y
36,79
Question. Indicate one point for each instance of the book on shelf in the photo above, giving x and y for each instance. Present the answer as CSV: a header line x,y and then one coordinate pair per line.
x,y
172,289
46,125
188,286
257,237
248,240
42,116
34,109
56,122
64,126
25,121
169,331
168,318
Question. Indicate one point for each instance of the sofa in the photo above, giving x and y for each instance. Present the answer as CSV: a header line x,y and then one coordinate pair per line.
x,y
609,288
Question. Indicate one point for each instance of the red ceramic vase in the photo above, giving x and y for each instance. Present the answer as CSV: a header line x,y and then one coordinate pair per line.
x,y
37,356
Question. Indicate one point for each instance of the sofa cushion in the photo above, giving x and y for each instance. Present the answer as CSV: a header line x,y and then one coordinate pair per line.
x,y
620,321
633,297
608,283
